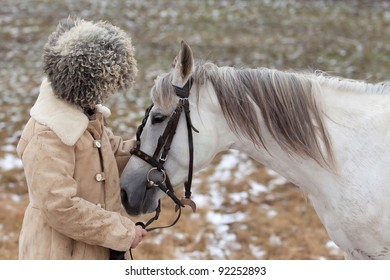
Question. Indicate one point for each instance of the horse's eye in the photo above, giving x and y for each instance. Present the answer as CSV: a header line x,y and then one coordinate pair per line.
x,y
158,118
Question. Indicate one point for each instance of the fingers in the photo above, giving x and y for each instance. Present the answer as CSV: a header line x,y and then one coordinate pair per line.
x,y
140,233
136,241
143,232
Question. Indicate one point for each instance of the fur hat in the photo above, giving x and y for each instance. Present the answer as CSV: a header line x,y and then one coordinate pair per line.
x,y
87,62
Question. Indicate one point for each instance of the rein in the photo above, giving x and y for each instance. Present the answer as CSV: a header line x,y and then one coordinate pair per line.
x,y
160,154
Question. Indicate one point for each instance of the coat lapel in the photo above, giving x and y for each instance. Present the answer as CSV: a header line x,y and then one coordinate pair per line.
x,y
68,122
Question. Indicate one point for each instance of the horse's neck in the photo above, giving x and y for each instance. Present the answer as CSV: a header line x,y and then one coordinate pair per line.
x,y
302,172
350,199
350,123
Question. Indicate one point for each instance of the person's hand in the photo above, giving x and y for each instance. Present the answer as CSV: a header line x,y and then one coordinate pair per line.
x,y
140,232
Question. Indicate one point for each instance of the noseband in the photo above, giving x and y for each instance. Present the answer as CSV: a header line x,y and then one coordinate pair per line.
x,y
160,154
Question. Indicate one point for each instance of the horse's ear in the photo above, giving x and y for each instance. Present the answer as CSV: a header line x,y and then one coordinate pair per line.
x,y
182,65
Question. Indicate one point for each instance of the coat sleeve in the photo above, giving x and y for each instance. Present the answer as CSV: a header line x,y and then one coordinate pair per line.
x,y
55,190
121,149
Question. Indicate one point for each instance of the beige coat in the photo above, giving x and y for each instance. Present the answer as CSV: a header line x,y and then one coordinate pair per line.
x,y
72,168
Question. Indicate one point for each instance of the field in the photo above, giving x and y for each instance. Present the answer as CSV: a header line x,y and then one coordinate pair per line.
x,y
245,210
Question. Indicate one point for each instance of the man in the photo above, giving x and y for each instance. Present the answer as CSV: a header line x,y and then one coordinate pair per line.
x,y
72,162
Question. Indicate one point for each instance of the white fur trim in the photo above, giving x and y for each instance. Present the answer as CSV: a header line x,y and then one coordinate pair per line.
x,y
67,121
104,110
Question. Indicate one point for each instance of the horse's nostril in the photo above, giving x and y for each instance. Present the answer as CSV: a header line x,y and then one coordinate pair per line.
x,y
123,196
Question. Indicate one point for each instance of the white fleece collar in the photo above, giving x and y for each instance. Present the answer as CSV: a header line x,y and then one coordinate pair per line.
x,y
67,121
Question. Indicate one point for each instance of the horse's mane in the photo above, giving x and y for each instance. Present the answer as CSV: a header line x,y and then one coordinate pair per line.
x,y
351,85
287,102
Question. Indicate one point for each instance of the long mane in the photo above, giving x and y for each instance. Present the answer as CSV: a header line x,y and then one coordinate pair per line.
x,y
287,102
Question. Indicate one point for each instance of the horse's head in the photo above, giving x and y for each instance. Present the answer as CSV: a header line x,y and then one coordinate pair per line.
x,y
139,195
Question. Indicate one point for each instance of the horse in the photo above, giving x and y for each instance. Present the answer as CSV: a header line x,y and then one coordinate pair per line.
x,y
328,135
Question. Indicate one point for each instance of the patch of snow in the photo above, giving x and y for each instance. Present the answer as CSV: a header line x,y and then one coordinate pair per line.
x,y
275,240
10,162
257,188
272,213
241,197
223,219
225,170
216,196
201,200
16,198
8,148
277,182
222,242
257,251
333,248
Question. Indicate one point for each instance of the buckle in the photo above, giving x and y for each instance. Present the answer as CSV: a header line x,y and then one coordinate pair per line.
x,y
153,183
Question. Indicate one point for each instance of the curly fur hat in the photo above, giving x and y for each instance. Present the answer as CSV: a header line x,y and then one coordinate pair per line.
x,y
87,62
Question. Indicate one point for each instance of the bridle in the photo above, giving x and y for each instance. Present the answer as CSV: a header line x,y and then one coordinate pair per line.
x,y
160,154
159,157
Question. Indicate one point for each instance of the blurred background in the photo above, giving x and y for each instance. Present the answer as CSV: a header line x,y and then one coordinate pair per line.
x,y
245,210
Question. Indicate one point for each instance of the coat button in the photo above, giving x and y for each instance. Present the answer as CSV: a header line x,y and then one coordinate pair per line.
x,y
100,177
100,205
97,144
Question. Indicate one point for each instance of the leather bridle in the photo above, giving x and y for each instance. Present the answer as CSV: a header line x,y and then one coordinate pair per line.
x,y
159,157
160,154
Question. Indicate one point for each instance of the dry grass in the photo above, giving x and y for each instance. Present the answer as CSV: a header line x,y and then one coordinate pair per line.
x,y
346,38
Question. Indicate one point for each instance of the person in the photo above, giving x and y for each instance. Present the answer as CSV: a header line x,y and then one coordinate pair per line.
x,y
72,161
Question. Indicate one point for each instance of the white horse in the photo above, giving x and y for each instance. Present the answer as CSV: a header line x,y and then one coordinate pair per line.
x,y
329,136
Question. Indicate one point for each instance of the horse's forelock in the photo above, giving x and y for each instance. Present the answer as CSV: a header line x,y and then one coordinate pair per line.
x,y
162,93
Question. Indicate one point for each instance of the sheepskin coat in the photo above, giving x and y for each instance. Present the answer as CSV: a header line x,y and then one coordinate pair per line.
x,y
72,166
